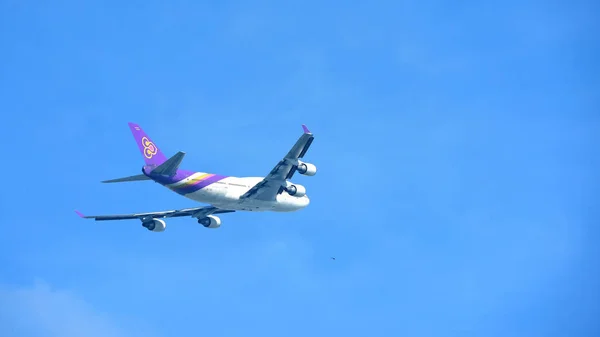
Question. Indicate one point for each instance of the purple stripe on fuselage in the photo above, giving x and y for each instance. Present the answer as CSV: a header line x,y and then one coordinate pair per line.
x,y
179,176
199,185
184,174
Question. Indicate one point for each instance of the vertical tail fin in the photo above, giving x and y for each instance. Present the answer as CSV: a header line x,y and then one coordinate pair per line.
x,y
152,154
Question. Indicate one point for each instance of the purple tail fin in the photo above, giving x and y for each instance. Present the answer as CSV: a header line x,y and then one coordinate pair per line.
x,y
152,154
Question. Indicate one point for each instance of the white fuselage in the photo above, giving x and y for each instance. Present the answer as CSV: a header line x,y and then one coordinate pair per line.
x,y
226,194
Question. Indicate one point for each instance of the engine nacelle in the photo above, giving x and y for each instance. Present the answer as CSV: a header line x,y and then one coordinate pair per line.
x,y
155,225
295,190
307,169
210,221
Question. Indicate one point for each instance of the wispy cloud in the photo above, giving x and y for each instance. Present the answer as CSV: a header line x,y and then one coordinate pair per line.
x,y
40,310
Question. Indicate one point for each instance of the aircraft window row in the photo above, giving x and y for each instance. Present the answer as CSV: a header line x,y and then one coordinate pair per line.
x,y
231,184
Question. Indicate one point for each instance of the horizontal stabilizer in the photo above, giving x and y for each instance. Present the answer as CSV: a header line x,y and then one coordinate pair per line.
x,y
169,167
138,177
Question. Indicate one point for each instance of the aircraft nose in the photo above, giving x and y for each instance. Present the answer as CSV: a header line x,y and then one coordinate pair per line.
x,y
306,201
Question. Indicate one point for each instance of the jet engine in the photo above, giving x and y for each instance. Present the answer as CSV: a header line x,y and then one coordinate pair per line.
x,y
155,225
210,221
295,190
307,169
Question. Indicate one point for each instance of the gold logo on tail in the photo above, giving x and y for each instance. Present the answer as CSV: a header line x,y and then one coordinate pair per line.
x,y
149,148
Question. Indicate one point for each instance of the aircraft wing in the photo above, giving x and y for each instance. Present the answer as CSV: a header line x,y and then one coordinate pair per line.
x,y
196,212
271,185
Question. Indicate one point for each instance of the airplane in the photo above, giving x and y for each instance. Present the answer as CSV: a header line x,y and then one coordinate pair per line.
x,y
224,194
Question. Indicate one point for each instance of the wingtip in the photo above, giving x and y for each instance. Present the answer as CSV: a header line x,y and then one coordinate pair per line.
x,y
306,130
80,214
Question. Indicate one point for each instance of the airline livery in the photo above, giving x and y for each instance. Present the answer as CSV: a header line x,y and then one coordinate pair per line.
x,y
224,194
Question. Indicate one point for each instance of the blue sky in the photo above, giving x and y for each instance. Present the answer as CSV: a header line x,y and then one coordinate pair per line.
x,y
455,146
